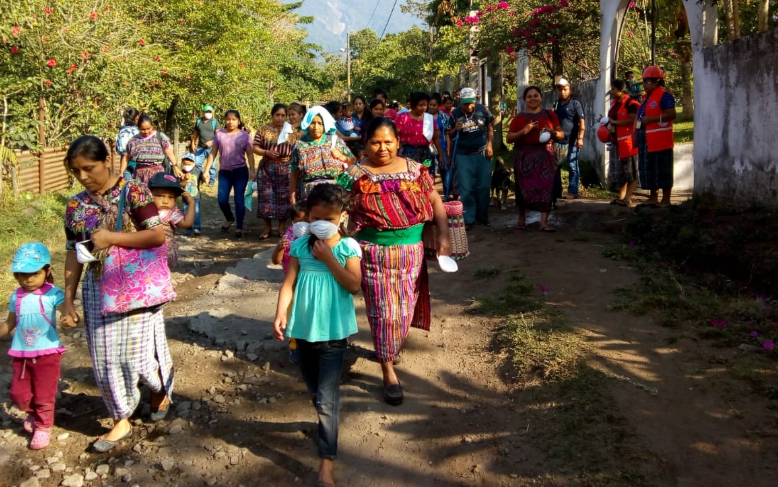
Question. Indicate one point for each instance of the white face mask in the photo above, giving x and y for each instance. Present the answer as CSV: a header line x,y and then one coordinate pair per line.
x,y
83,254
301,228
323,229
208,115
188,167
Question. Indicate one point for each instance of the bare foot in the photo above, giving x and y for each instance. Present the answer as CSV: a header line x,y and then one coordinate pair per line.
x,y
326,471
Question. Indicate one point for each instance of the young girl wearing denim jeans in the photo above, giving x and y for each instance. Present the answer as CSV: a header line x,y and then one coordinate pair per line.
x,y
324,272
36,348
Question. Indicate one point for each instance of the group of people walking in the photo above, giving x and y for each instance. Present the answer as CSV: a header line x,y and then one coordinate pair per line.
x,y
359,188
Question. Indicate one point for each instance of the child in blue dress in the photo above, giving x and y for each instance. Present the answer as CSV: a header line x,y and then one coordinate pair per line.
x,y
324,272
36,348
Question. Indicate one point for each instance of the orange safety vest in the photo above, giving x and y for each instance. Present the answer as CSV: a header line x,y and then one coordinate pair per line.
x,y
658,137
624,133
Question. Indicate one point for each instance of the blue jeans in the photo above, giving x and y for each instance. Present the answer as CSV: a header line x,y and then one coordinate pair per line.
x,y
321,364
474,172
197,214
575,174
237,179
201,154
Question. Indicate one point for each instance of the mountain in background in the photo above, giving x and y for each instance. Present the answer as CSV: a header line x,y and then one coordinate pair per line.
x,y
334,18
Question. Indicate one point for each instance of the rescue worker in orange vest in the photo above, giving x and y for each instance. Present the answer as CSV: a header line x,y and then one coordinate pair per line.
x,y
654,127
621,117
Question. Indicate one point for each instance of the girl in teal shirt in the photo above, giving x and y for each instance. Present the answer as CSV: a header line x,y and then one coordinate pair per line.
x,y
324,272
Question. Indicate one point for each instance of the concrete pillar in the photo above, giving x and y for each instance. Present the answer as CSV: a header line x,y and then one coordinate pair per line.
x,y
494,72
522,77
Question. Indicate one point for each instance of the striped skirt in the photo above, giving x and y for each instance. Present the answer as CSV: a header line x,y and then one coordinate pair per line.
x,y
126,349
143,172
397,296
273,190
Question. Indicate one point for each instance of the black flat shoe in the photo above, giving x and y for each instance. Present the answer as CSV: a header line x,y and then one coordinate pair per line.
x,y
393,394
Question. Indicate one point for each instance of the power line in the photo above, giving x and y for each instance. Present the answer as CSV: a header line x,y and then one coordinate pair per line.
x,y
371,15
387,20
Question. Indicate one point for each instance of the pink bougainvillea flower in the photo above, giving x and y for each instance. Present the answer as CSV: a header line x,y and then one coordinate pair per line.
x,y
565,3
768,345
15,30
246,277
531,43
754,334
142,42
552,40
509,49
526,33
503,5
459,23
631,4
718,323
14,50
52,63
93,15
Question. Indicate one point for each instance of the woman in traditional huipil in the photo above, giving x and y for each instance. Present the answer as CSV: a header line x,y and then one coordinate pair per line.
x,y
274,142
392,198
319,157
126,348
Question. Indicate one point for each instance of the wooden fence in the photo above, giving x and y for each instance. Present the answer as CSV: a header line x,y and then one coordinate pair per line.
x,y
52,175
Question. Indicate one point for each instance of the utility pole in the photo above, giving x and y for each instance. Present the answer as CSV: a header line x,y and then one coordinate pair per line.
x,y
348,63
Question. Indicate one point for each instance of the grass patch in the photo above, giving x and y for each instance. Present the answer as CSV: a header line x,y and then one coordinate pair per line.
x,y
683,129
487,272
27,219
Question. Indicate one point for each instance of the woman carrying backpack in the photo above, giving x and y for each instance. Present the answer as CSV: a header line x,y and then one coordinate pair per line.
x,y
149,150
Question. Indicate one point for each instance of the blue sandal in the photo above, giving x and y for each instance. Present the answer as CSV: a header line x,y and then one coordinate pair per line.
x,y
102,445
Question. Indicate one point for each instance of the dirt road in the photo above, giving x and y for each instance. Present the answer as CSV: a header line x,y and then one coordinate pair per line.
x,y
656,414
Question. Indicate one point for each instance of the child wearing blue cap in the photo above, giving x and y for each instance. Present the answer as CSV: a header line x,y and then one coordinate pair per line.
x,y
191,183
36,348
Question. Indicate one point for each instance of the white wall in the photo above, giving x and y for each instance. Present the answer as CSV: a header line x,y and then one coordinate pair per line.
x,y
736,126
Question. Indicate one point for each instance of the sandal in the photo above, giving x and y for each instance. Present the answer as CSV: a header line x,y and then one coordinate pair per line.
x,y
265,235
225,229
393,394
548,229
40,439
29,423
238,234
102,445
159,407
619,203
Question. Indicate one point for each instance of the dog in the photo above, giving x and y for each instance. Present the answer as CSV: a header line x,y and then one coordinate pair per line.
x,y
501,184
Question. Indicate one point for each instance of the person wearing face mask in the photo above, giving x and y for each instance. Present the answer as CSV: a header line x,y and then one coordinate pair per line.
x,y
202,140
324,274
391,199
191,184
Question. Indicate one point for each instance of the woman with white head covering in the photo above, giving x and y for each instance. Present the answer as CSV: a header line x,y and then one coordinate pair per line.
x,y
319,157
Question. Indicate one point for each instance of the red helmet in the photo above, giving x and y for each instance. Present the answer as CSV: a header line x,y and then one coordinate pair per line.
x,y
603,134
653,72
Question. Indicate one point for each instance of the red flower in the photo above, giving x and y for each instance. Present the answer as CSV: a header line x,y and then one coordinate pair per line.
x,y
65,31
43,39
15,30
47,83
164,71
105,48
48,10
565,3
157,59
52,63
142,42
72,68
14,50
107,9
182,21
509,49
97,101
84,55
93,15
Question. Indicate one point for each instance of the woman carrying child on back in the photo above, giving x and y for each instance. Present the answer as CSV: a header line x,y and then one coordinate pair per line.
x,y
324,272
36,349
